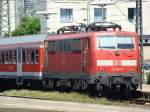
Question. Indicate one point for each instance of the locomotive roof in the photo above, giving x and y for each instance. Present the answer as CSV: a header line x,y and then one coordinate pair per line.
x,y
68,36
87,34
22,39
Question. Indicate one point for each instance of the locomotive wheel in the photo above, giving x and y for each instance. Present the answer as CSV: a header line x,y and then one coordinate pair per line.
x,y
92,90
49,84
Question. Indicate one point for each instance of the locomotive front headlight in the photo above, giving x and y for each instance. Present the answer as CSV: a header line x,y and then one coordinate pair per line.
x,y
132,71
101,70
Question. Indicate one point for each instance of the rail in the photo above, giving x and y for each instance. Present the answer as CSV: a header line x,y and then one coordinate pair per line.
x,y
144,98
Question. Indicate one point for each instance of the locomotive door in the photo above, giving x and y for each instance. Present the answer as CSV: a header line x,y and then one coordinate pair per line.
x,y
84,48
19,79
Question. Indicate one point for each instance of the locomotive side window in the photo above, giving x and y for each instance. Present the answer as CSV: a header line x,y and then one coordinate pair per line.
x,y
60,46
57,46
64,45
76,45
114,42
51,46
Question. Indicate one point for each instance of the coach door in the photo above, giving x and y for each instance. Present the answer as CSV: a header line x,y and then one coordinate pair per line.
x,y
19,79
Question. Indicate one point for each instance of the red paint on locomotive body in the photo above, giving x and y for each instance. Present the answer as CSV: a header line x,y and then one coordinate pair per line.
x,y
64,62
108,54
116,60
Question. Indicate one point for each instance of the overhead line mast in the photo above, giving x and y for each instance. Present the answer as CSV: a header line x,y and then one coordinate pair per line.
x,y
5,27
139,29
139,19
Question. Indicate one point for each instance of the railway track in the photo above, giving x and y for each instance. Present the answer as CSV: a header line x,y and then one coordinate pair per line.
x,y
144,98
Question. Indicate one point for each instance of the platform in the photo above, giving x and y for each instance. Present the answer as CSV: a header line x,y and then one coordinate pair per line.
x,y
145,88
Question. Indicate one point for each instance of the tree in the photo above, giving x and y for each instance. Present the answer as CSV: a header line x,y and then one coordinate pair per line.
x,y
28,25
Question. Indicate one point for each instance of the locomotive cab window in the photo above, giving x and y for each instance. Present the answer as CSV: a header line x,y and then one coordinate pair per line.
x,y
125,43
113,42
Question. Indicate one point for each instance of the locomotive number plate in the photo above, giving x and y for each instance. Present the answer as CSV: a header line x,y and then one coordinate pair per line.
x,y
117,62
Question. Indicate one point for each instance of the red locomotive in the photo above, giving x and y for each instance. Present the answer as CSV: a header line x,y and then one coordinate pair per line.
x,y
95,60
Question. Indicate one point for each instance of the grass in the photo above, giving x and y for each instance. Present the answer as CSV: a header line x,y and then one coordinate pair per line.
x,y
57,96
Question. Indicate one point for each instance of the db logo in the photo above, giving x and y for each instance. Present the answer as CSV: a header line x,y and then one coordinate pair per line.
x,y
117,62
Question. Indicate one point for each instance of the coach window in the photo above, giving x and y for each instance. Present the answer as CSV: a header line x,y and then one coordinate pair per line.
x,y
23,56
28,56
6,57
0,56
36,56
3,57
32,56
14,56
10,56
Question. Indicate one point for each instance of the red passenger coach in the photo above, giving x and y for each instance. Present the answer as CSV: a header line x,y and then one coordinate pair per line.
x,y
104,59
22,57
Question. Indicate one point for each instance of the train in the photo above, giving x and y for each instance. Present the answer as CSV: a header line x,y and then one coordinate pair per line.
x,y
85,60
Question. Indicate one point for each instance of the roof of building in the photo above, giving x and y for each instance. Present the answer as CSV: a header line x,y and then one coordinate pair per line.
x,y
22,39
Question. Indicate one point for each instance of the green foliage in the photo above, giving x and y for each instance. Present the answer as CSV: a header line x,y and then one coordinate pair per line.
x,y
148,78
28,25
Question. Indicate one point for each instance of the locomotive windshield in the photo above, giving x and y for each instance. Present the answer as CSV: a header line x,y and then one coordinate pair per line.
x,y
114,42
